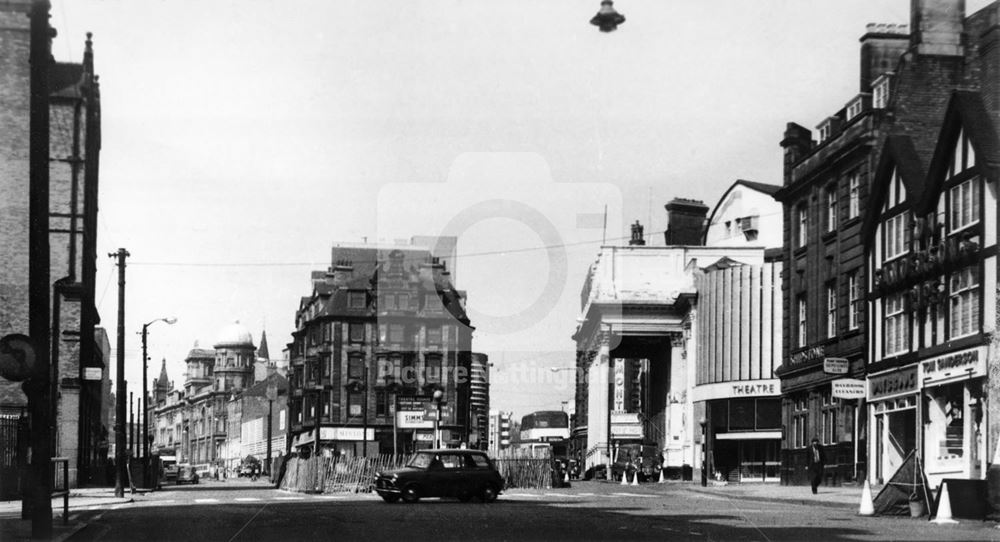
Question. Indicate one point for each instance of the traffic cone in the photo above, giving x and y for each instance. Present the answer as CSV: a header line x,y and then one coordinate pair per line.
x,y
662,479
624,477
566,476
944,507
635,477
867,506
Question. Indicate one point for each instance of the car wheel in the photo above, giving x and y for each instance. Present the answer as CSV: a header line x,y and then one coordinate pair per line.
x,y
489,493
411,494
390,498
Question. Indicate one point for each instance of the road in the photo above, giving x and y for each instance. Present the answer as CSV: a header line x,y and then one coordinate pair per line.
x,y
587,511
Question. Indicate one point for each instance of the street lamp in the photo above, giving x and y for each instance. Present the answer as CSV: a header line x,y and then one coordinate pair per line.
x,y
271,394
437,397
145,392
704,450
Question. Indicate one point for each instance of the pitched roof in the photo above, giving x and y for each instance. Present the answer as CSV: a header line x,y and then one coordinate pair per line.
x,y
898,154
260,388
163,381
966,111
769,189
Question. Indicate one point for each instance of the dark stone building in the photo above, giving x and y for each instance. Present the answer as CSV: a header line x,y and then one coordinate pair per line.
x,y
383,330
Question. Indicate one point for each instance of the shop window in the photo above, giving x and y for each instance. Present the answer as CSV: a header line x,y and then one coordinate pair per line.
x,y
897,329
947,422
964,312
963,209
831,310
356,333
800,418
828,430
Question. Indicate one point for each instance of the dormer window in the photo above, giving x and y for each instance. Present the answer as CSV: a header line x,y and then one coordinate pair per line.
x,y
880,91
855,107
824,130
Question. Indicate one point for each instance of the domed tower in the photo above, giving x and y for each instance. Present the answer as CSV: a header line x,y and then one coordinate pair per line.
x,y
234,358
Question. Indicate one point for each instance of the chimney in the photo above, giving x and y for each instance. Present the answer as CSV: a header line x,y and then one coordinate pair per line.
x,y
881,47
797,143
937,26
685,222
637,239
340,273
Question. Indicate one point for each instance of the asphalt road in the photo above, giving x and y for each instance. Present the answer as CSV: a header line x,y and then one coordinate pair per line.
x,y
587,511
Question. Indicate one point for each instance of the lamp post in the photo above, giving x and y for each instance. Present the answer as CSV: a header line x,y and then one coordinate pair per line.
x,y
704,450
438,395
271,394
145,390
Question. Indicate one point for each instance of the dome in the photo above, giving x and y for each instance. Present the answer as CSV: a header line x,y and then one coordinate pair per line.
x,y
235,334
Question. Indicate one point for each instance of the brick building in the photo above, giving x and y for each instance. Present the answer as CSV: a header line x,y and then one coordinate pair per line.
x,y
80,354
824,197
382,327
931,248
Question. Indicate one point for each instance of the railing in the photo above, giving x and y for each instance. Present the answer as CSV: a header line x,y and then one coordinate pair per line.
x,y
64,490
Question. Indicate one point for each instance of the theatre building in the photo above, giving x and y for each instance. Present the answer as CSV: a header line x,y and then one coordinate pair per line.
x,y
932,252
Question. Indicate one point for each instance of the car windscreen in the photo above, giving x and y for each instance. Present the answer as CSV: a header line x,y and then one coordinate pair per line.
x,y
420,461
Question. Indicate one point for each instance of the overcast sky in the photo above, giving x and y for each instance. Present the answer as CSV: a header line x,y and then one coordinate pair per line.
x,y
242,138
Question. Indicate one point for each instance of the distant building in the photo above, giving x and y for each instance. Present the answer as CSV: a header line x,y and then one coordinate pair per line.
x,y
74,142
479,401
500,430
383,327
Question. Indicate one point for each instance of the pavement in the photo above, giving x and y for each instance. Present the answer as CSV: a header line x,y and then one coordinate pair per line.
x,y
13,528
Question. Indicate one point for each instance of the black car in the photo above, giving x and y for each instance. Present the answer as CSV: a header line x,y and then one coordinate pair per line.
x,y
460,474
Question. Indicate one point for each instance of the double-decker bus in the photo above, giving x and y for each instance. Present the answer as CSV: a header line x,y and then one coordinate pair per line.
x,y
546,429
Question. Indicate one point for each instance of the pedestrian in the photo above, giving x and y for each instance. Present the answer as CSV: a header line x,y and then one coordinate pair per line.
x,y
816,462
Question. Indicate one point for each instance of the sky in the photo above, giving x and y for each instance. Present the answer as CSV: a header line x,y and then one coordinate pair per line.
x,y
242,139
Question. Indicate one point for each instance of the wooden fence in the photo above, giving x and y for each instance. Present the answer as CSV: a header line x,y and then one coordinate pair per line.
x,y
349,474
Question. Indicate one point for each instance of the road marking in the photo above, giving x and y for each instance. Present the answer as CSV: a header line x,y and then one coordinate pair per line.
x,y
246,499
206,501
289,498
529,495
167,501
634,495
566,495
331,497
585,494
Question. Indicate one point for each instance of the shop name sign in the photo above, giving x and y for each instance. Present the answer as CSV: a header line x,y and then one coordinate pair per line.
x,y
965,363
891,384
847,388
625,425
767,388
835,366
346,433
808,354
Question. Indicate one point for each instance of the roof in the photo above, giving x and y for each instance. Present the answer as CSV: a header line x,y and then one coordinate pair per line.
x,y
769,189
966,112
262,349
163,382
65,79
899,154
260,388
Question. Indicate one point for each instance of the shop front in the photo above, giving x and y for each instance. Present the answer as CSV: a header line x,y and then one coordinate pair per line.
x,y
893,420
954,443
742,430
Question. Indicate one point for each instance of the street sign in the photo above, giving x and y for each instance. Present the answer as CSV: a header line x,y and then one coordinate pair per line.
x,y
848,388
17,357
836,366
92,373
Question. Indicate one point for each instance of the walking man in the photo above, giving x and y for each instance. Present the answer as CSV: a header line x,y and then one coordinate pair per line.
x,y
817,459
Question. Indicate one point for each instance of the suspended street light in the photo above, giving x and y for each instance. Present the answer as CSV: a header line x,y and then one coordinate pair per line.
x,y
607,19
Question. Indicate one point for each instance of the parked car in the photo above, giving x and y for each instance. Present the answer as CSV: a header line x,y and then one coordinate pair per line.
x,y
186,475
460,474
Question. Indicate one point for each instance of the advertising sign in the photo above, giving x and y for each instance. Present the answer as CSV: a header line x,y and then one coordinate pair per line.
x,y
963,364
346,433
835,366
619,384
892,384
848,388
625,425
411,412
92,373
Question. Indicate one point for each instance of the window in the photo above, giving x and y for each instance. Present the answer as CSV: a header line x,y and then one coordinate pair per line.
x,y
325,362
854,300
356,333
355,366
897,330
963,210
803,225
831,208
896,237
855,107
801,303
432,371
880,92
355,400
395,333
281,420
828,431
831,310
854,196
388,302
434,335
964,314
432,302
824,130
403,302
800,418
381,403
356,300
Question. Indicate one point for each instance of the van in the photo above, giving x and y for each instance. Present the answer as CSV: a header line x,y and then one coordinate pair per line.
x,y
169,465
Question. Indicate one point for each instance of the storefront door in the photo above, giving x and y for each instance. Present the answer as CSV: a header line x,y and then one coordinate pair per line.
x,y
896,434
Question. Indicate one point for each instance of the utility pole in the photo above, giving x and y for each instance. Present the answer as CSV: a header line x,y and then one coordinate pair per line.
x,y
38,502
120,380
131,425
272,394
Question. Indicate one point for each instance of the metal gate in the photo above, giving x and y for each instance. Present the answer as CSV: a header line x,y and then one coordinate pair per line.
x,y
13,450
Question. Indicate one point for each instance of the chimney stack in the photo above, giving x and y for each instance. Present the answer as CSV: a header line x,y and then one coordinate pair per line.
x,y
797,143
637,237
685,222
881,47
936,27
